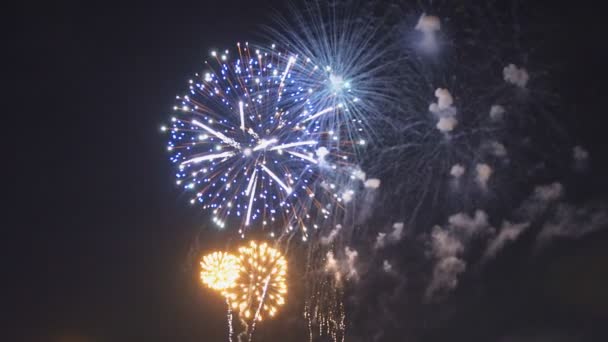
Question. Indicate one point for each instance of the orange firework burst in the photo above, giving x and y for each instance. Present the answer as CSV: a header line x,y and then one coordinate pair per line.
x,y
220,271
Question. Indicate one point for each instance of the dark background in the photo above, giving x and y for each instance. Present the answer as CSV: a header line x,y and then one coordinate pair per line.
x,y
98,242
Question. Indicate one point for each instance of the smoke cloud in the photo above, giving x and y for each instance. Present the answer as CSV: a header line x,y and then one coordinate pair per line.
x,y
508,232
468,225
497,113
342,268
444,110
326,240
372,183
457,170
514,75
394,236
484,171
428,25
570,221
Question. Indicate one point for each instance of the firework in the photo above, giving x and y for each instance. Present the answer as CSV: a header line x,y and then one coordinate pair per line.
x,y
342,63
220,271
261,288
238,140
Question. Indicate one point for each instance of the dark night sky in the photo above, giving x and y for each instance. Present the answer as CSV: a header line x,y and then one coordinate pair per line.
x,y
97,239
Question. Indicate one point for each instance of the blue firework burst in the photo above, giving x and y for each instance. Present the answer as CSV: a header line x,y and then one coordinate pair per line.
x,y
242,144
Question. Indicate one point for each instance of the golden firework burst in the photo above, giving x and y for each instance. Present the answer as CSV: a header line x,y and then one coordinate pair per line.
x,y
220,271
261,287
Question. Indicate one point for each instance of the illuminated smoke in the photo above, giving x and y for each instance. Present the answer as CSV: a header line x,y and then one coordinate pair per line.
x,y
497,113
467,224
508,232
484,171
549,192
326,240
386,266
342,268
457,170
372,183
514,75
394,236
444,110
428,25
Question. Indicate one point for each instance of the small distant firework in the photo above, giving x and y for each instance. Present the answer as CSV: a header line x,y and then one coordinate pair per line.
x,y
262,286
220,271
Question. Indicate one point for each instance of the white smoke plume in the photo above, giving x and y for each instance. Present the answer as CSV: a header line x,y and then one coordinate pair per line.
x,y
372,183
368,201
380,241
467,225
581,157
326,240
342,268
331,266
549,192
446,124
517,76
508,232
359,174
570,221
540,199
457,170
497,113
396,235
351,258
579,153
444,110
445,275
321,153
386,266
484,171
448,244
444,101
444,105
428,25
497,149
347,196
397,232
444,244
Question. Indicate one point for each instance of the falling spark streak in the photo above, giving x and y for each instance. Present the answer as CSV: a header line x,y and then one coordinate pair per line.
x,y
208,157
259,309
229,318
301,143
242,114
264,144
221,136
289,65
251,188
253,175
271,174
324,111
303,156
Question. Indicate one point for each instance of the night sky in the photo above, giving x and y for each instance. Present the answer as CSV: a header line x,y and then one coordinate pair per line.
x,y
99,245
